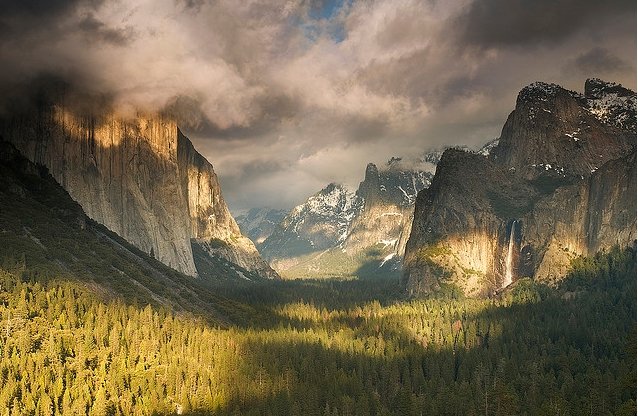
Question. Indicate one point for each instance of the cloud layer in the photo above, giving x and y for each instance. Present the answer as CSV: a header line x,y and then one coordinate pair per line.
x,y
285,96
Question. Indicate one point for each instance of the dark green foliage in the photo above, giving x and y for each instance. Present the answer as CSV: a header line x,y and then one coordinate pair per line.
x,y
547,184
316,348
506,206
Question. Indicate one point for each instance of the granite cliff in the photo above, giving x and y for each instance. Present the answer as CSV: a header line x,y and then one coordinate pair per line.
x,y
140,177
339,233
560,183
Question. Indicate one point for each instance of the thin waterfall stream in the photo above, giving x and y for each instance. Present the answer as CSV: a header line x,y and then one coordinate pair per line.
x,y
509,261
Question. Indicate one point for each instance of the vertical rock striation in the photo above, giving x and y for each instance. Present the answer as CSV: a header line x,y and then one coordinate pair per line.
x,y
564,168
141,178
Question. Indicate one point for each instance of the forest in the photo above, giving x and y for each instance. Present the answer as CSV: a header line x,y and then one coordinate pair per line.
x,y
325,348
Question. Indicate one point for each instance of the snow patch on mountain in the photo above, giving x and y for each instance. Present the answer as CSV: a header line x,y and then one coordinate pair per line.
x,y
611,103
487,147
334,205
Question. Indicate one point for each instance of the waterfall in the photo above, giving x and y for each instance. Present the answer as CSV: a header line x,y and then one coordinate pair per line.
x,y
509,261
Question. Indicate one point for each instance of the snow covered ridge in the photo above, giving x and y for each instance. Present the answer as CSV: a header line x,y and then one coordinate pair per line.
x,y
333,200
540,91
334,205
609,102
487,148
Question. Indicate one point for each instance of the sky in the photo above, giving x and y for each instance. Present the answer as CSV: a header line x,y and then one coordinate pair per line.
x,y
286,96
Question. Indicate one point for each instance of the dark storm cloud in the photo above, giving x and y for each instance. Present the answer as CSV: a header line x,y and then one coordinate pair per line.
x,y
596,61
21,19
188,112
46,88
96,31
497,23
37,8
35,39
284,96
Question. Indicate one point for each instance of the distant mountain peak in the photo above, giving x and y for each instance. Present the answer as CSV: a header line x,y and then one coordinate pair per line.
x,y
259,223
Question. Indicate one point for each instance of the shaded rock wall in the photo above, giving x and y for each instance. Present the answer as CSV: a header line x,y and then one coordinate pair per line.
x,y
141,178
563,169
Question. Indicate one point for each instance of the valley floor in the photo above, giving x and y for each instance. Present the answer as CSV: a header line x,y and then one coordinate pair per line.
x,y
324,348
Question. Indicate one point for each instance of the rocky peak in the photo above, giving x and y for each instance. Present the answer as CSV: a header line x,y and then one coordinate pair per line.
x,y
332,200
369,188
597,88
540,92
318,223
371,171
560,133
611,103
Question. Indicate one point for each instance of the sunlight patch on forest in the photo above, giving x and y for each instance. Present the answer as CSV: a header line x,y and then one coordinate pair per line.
x,y
64,348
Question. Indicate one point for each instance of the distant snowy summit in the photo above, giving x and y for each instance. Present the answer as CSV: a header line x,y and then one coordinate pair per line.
x,y
258,223
339,226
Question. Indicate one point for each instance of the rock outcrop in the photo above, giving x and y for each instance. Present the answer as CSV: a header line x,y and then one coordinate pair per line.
x,y
561,133
338,233
312,228
142,178
560,183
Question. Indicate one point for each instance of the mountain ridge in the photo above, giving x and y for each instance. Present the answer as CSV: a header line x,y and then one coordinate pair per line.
x,y
354,233
548,191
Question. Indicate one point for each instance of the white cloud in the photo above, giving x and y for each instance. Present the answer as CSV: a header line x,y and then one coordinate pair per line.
x,y
296,102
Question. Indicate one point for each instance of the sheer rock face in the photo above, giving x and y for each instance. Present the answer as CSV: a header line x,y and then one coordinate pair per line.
x,y
561,133
141,178
460,227
564,175
386,218
343,233
582,219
